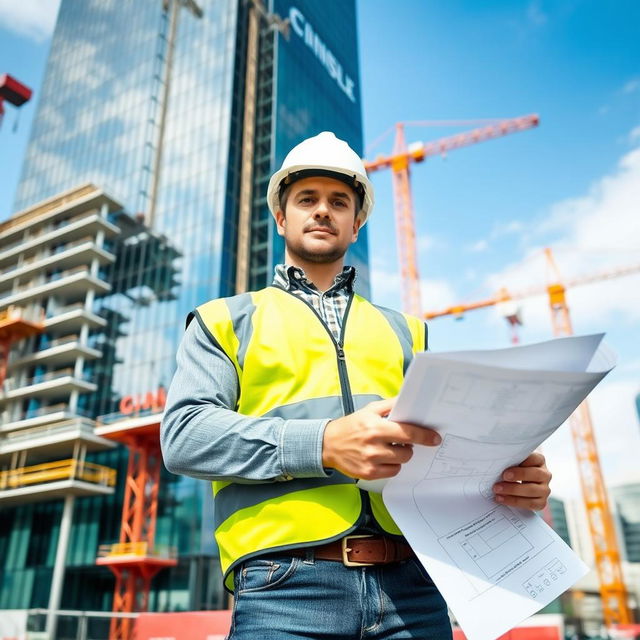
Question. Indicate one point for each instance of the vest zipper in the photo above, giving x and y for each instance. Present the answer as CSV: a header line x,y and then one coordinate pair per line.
x,y
345,387
347,398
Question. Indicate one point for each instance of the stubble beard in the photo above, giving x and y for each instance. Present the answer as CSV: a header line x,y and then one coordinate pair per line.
x,y
317,257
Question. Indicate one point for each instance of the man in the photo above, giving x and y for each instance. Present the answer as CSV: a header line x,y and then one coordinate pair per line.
x,y
280,398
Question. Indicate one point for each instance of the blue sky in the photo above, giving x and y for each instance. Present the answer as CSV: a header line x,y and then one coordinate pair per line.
x,y
484,213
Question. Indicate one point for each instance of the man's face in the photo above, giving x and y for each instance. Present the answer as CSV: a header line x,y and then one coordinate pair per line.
x,y
319,224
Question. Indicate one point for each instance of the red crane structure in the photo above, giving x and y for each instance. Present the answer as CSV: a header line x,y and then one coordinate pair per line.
x,y
607,556
15,324
12,91
399,162
136,559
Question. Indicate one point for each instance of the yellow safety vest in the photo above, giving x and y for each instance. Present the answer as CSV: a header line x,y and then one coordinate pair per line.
x,y
289,365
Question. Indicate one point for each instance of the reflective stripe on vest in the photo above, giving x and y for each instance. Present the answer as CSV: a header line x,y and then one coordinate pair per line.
x,y
290,366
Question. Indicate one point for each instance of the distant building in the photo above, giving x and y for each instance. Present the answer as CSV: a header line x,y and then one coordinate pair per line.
x,y
627,505
559,518
579,532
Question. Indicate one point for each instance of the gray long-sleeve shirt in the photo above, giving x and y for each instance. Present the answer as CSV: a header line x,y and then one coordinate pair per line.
x,y
201,434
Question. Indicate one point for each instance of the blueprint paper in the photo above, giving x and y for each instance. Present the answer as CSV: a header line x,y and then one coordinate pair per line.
x,y
495,565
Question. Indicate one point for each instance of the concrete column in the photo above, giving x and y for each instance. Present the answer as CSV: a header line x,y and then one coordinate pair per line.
x,y
81,457
55,595
84,334
88,301
73,402
78,367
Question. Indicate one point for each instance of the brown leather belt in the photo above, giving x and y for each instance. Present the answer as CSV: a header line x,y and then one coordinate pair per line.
x,y
360,551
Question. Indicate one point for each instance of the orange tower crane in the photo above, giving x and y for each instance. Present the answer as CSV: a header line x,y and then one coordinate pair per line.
x,y
605,546
399,162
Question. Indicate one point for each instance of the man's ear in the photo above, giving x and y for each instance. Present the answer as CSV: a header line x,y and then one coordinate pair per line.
x,y
357,223
280,222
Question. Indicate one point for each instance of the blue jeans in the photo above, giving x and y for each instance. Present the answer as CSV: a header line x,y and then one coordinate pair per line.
x,y
285,598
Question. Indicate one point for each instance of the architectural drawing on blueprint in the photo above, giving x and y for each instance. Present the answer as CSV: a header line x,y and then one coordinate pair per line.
x,y
494,540
464,468
514,406
462,457
544,579
490,548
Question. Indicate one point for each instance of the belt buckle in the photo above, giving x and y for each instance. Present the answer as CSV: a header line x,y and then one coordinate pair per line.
x,y
345,550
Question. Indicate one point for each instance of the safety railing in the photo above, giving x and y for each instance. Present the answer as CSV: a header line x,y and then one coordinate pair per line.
x,y
70,469
74,424
58,342
75,243
19,265
42,280
42,411
58,311
68,272
136,549
48,232
46,253
49,376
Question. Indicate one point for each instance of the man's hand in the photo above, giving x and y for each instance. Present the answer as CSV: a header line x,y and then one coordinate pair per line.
x,y
525,486
366,445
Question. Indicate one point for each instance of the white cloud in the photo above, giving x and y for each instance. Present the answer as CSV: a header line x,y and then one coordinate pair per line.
x,y
386,286
601,229
500,230
436,294
631,86
32,18
513,226
478,247
425,242
634,136
535,14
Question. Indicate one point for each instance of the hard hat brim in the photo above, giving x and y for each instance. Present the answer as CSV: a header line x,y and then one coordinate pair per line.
x,y
305,171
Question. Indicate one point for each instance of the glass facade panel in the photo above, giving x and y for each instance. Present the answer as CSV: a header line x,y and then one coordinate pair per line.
x,y
627,502
107,107
559,519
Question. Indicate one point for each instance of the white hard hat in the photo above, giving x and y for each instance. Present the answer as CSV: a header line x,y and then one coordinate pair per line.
x,y
323,155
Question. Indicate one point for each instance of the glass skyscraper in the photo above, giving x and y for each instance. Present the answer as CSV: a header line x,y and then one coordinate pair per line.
x,y
146,99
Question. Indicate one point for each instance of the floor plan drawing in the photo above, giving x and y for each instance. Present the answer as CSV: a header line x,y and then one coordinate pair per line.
x,y
544,579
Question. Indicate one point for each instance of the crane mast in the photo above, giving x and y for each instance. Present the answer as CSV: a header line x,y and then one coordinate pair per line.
x,y
594,495
405,225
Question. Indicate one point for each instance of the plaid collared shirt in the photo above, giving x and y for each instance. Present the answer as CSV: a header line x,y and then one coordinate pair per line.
x,y
331,304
